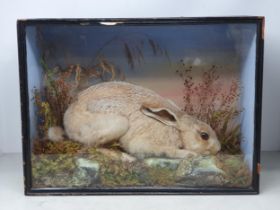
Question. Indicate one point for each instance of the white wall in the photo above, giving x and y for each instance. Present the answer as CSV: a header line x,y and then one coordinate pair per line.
x,y
11,10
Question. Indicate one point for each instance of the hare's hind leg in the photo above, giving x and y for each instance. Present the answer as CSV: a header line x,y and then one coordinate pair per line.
x,y
98,128
105,128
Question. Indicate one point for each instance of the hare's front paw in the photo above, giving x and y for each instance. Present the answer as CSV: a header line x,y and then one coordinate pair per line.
x,y
181,153
127,158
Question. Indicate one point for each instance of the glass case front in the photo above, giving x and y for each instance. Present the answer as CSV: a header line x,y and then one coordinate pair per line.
x,y
141,106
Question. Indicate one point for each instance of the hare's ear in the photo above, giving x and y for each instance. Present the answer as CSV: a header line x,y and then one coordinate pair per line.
x,y
163,115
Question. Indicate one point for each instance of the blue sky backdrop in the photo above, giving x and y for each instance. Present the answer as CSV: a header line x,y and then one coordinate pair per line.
x,y
219,44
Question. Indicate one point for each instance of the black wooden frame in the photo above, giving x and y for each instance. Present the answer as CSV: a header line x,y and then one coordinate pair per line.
x,y
21,31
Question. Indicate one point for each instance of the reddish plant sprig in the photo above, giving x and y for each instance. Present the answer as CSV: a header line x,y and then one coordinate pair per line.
x,y
209,99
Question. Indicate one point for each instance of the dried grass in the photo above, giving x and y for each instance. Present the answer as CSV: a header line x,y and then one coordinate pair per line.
x,y
215,103
61,87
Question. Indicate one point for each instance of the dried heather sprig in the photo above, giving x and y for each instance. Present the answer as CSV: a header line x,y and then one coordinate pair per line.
x,y
215,103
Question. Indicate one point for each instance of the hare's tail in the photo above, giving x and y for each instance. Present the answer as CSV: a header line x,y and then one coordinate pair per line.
x,y
56,133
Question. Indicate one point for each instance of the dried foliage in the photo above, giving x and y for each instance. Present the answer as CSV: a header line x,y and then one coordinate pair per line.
x,y
60,147
215,102
60,87
135,52
45,116
134,47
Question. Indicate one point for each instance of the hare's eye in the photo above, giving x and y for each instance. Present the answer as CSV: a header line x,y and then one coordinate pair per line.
x,y
204,136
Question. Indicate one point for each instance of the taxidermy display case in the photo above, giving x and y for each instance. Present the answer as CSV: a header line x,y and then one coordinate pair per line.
x,y
141,106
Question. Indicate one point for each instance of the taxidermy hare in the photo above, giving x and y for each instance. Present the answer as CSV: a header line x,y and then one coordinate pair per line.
x,y
145,123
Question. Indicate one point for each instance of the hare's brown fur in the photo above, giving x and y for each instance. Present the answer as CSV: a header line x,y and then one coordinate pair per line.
x,y
145,123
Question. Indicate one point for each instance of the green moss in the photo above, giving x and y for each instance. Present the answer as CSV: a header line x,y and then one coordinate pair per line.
x,y
161,176
117,174
236,170
58,164
49,169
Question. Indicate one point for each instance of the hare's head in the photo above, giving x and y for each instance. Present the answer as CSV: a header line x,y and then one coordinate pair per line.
x,y
196,135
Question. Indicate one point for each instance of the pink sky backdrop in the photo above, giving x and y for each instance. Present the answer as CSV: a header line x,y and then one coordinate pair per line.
x,y
172,86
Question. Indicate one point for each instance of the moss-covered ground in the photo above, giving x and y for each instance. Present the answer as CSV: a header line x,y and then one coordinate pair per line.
x,y
70,164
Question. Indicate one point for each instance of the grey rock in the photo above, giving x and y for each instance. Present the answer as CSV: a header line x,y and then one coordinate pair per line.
x,y
162,163
200,171
185,168
81,178
205,165
90,167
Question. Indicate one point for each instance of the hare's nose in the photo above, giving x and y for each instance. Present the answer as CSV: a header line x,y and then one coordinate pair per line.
x,y
217,148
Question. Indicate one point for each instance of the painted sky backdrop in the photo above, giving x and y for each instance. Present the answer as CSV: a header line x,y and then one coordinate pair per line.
x,y
223,45
218,43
